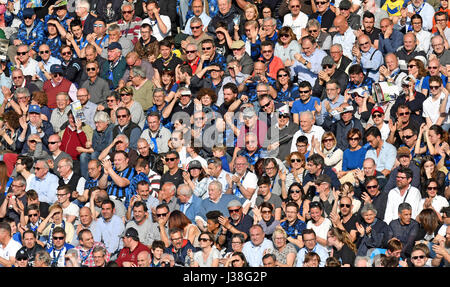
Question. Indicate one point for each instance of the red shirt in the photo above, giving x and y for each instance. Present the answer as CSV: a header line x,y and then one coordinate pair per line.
x,y
131,256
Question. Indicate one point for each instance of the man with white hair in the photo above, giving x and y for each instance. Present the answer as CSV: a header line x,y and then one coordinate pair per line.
x,y
308,129
130,23
87,19
217,200
188,202
142,88
44,182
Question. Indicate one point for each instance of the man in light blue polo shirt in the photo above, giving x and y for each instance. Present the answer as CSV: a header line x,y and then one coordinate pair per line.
x,y
383,153
254,249
311,245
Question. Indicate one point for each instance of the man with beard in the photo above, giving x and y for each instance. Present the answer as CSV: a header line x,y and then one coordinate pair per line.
x,y
237,223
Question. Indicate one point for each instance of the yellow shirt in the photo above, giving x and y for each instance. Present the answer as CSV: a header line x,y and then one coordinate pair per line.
x,y
393,7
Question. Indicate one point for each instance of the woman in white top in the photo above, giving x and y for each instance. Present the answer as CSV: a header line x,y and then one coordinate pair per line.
x,y
208,256
318,223
332,155
287,46
433,201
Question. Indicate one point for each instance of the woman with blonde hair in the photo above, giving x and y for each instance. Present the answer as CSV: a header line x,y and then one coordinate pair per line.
x,y
296,163
135,108
327,148
284,251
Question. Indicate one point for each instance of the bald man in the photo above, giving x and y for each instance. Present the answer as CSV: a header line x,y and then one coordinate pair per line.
x,y
390,38
390,72
144,259
408,52
368,57
344,36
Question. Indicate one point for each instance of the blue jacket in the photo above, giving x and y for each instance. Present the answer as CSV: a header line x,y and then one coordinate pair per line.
x,y
193,209
22,147
36,35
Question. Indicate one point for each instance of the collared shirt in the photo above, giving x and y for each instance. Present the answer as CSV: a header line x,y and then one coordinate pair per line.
x,y
30,68
315,131
45,188
222,178
335,116
51,61
386,158
254,254
86,258
72,90
58,118
99,90
89,111
371,62
319,249
80,184
347,40
205,21
305,74
110,232
411,196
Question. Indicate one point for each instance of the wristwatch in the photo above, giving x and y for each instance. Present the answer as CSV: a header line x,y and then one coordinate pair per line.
x,y
306,62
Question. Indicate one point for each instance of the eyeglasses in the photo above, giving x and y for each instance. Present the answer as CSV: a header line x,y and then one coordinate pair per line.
x,y
191,52
363,44
430,67
412,66
32,214
58,237
434,87
121,116
176,239
90,69
304,92
233,210
321,3
66,53
44,52
266,212
328,140
432,188
354,139
16,78
265,106
372,186
203,239
171,158
21,53
110,101
98,25
123,95
344,205
161,214
296,160
237,242
407,137
206,48
195,27
417,257
404,114
377,116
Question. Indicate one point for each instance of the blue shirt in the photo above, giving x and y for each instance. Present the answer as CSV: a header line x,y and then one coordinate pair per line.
x,y
354,159
386,158
391,44
371,62
110,232
295,229
291,94
51,61
305,74
319,249
45,188
298,106
334,117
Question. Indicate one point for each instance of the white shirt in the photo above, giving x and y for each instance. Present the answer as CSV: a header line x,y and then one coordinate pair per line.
x,y
156,32
438,202
30,68
321,230
296,25
394,199
431,108
80,184
424,39
254,254
347,40
315,131
10,250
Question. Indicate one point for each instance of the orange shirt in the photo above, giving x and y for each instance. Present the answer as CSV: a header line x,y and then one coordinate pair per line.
x,y
434,29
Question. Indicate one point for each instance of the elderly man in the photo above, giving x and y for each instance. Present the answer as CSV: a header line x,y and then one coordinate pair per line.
x,y
225,14
44,182
188,202
129,24
409,51
120,143
198,10
88,108
216,200
243,182
257,246
198,33
390,72
324,14
297,20
390,39
439,50
342,61
307,64
126,126
308,129
368,57
344,36
239,54
167,195
58,84
329,72
404,228
133,59
54,144
115,35
142,88
216,173
156,135
59,114
113,69
47,60
248,88
67,177
97,87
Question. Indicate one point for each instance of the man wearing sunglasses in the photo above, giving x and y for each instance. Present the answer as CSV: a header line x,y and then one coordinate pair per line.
x,y
241,56
237,223
131,248
198,10
31,31
343,217
329,73
27,64
323,14
129,24
368,57
296,19
43,71
59,247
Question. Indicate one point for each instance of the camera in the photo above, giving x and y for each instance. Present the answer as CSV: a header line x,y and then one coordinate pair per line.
x,y
256,78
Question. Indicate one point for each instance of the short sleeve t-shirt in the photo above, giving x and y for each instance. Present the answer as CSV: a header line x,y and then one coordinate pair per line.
x,y
298,106
10,249
275,200
214,254
345,255
321,230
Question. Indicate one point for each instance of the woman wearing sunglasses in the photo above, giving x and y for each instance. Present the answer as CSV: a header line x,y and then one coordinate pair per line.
x,y
136,111
296,163
331,154
436,144
287,91
208,256
287,46
429,171
297,194
432,199
353,157
420,256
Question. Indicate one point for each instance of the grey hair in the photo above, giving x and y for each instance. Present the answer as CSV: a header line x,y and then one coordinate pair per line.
x,y
437,36
23,45
63,93
69,161
261,84
159,90
21,90
216,183
404,206
84,3
113,27
196,19
267,19
377,259
309,113
126,3
44,257
44,162
339,46
368,207
126,140
74,252
139,71
184,189
312,23
99,249
21,179
360,258
101,116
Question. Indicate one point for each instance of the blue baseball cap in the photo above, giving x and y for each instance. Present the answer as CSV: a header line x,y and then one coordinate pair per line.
x,y
34,109
28,12
115,45
55,68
